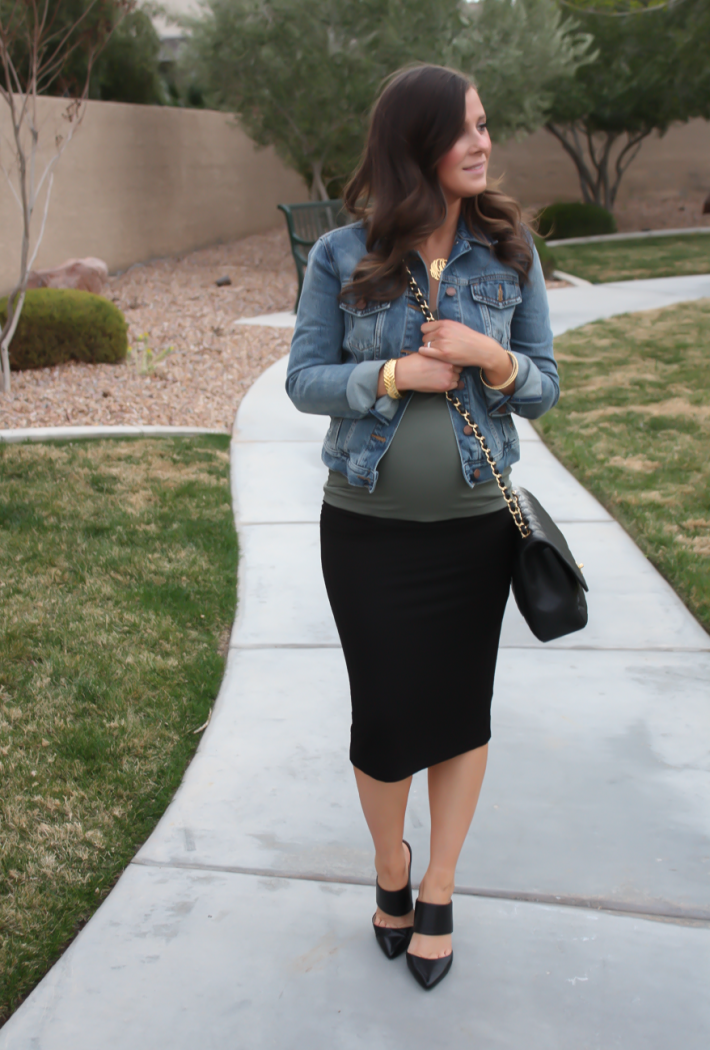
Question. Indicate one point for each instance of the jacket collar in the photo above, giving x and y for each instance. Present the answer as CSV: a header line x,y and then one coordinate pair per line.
x,y
477,237
466,240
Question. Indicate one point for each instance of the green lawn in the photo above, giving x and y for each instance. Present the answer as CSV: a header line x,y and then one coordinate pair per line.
x,y
634,259
633,424
117,593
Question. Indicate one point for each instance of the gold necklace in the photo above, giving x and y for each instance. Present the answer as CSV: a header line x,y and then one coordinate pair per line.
x,y
436,268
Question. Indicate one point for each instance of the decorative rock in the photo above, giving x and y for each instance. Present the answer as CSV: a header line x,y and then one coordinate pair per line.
x,y
88,275
223,281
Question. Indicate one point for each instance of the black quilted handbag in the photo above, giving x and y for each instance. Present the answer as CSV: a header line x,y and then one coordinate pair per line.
x,y
548,584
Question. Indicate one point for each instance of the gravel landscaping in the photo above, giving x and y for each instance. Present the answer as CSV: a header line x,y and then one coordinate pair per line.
x,y
173,303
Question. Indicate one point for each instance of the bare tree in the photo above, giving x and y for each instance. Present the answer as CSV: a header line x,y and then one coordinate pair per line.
x,y
38,41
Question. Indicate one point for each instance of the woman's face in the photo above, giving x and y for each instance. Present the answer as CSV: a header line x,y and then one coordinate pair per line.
x,y
462,171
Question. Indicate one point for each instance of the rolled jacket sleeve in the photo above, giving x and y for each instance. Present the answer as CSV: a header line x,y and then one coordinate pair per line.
x,y
361,392
537,386
318,380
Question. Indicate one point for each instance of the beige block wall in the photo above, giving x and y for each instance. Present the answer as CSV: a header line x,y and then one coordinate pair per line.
x,y
538,171
138,182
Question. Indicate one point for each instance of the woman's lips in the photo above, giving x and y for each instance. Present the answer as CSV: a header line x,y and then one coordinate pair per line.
x,y
476,167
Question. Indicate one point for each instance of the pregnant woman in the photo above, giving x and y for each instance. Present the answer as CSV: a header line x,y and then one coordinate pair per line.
x,y
417,540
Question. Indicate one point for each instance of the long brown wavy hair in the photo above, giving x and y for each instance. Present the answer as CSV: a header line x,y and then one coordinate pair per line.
x,y
395,190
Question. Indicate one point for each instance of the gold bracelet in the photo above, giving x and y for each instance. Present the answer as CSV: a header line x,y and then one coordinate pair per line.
x,y
509,380
388,377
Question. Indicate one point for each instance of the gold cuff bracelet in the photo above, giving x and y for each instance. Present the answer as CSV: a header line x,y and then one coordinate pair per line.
x,y
388,377
509,380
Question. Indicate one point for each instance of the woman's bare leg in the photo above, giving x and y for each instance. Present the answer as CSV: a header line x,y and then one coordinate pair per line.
x,y
454,787
384,806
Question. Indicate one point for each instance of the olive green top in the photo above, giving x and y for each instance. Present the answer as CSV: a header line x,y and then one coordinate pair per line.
x,y
420,475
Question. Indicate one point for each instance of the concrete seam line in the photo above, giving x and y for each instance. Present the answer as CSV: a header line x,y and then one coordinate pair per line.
x,y
638,235
249,646
664,910
286,645
79,433
561,521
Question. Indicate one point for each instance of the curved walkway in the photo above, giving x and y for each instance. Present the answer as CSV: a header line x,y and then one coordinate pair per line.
x,y
583,911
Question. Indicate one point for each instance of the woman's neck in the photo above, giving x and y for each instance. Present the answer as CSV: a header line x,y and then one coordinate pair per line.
x,y
438,245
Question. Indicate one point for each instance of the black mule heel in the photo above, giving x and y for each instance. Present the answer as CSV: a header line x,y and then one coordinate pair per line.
x,y
396,903
432,920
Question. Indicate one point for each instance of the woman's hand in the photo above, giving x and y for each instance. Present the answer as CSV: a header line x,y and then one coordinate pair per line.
x,y
426,374
456,344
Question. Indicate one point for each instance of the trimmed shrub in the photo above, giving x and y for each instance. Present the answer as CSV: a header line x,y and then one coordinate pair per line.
x,y
574,219
549,263
61,324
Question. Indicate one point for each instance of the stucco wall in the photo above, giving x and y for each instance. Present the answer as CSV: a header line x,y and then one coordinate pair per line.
x,y
538,171
144,181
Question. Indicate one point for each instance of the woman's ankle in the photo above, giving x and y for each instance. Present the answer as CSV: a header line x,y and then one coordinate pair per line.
x,y
392,867
436,887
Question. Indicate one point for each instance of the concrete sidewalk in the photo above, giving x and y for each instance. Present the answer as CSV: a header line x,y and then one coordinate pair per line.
x,y
583,901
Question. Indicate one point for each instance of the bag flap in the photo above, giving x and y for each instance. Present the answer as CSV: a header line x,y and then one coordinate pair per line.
x,y
545,531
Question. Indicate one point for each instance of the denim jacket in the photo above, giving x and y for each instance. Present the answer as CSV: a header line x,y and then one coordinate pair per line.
x,y
338,349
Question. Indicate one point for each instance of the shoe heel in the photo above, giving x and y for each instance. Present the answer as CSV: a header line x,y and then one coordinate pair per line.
x,y
394,941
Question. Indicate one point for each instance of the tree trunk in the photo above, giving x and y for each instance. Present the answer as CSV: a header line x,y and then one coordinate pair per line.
x,y
15,302
590,152
318,190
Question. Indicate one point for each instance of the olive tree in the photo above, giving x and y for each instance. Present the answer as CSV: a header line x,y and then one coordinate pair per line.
x,y
517,51
650,71
302,74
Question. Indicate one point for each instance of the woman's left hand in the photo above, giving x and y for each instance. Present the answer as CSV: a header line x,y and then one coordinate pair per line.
x,y
456,343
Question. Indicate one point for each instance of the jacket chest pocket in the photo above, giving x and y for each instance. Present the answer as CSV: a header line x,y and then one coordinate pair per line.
x,y
363,328
496,296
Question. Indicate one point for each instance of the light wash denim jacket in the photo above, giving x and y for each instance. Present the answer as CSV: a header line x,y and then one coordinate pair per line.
x,y
338,349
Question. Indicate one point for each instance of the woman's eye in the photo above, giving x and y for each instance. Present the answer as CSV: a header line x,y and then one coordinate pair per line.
x,y
483,126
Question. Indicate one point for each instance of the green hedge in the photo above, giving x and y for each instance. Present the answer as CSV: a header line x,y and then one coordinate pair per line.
x,y
61,324
547,259
574,219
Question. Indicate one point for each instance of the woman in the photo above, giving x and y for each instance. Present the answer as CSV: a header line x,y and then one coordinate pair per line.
x,y
417,540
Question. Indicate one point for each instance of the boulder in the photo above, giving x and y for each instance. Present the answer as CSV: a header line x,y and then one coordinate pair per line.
x,y
88,275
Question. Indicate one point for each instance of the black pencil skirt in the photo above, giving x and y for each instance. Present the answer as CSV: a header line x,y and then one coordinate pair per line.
x,y
418,607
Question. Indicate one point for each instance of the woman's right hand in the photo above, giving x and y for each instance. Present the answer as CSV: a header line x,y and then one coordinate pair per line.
x,y
426,374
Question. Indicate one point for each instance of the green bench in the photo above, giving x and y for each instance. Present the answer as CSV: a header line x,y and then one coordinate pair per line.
x,y
306,223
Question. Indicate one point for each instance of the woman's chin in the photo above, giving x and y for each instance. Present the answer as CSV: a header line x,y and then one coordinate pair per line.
x,y
473,185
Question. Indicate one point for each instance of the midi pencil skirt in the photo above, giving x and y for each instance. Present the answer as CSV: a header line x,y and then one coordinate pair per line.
x,y
418,607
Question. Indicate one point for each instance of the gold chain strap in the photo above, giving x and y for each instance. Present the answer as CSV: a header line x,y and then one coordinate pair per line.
x,y
509,495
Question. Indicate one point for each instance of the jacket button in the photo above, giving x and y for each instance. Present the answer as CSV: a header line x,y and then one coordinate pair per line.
x,y
476,473
468,431
450,291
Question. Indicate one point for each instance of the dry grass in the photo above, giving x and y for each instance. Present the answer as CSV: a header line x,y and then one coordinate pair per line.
x,y
117,577
684,255
633,424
